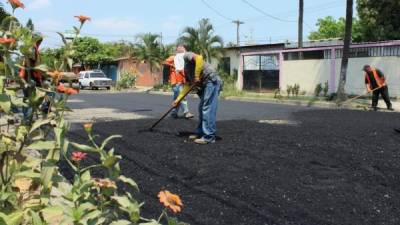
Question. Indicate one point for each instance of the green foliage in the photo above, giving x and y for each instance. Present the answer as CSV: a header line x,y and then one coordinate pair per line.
x,y
32,191
150,50
277,94
296,90
289,90
30,25
379,19
89,51
318,90
202,40
329,27
127,80
325,89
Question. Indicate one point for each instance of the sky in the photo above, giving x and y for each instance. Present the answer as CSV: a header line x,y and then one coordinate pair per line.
x,y
115,20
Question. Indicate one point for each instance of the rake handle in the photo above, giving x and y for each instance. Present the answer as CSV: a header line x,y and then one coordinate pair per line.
x,y
169,110
359,96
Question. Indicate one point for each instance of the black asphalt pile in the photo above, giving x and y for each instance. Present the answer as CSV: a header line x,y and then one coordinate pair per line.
x,y
334,167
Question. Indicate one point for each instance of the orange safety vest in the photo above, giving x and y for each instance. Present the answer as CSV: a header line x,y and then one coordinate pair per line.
x,y
174,77
380,81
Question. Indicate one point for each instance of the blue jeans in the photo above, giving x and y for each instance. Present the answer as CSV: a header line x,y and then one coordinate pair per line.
x,y
208,106
183,106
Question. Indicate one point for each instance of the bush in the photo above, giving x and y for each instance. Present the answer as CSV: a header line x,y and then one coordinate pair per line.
x,y
296,90
126,81
318,90
325,90
277,94
32,191
289,89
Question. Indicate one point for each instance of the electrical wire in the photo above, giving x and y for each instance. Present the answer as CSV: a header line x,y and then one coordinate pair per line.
x,y
216,11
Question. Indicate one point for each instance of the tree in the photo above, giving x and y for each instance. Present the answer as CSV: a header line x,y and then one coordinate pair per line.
x,y
149,50
202,40
89,51
379,19
329,27
346,50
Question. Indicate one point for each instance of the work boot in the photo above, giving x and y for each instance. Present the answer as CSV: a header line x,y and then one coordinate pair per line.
x,y
202,141
188,115
375,108
390,108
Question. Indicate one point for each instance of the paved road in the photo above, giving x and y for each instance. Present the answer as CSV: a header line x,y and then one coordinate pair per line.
x,y
152,106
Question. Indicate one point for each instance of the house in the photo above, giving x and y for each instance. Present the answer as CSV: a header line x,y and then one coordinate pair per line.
x,y
117,67
269,67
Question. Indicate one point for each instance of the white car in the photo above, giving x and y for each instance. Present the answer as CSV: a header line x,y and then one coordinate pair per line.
x,y
94,79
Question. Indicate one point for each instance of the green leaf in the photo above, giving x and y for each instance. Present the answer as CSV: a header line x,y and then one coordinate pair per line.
x,y
29,174
53,214
62,38
42,68
12,219
110,161
153,222
83,148
86,176
36,220
47,175
129,181
106,141
5,103
39,123
21,132
42,145
121,222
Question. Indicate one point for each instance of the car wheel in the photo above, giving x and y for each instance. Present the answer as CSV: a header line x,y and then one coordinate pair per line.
x,y
92,87
108,88
80,86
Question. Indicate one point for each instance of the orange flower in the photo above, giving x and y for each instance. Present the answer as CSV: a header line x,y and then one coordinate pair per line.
x,y
82,18
88,127
7,40
69,91
78,156
171,201
104,183
56,75
16,4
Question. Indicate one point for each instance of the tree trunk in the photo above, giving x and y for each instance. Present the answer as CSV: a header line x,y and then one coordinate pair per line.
x,y
300,28
346,50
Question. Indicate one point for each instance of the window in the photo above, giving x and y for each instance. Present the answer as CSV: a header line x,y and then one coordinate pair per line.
x,y
97,75
86,76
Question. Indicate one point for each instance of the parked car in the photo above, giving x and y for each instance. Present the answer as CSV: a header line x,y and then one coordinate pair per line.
x,y
94,79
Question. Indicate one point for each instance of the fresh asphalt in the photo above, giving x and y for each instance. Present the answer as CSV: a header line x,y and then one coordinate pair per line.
x,y
153,106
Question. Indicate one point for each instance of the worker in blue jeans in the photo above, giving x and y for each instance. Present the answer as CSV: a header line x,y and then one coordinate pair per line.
x,y
209,83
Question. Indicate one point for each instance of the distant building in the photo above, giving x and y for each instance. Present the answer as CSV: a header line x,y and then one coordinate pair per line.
x,y
272,66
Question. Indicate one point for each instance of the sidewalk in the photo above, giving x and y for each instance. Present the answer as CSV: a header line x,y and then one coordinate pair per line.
x,y
357,104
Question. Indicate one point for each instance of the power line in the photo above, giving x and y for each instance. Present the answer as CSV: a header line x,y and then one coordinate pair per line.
x,y
266,14
216,11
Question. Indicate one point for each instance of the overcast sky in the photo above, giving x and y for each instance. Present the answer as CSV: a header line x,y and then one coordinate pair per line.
x,y
124,19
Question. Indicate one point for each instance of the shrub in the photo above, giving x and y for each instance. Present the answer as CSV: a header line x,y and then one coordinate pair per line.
x,y
127,80
289,89
296,90
32,191
318,90
325,90
277,94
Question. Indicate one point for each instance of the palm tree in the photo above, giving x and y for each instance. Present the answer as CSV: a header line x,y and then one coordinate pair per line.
x,y
149,50
202,40
346,50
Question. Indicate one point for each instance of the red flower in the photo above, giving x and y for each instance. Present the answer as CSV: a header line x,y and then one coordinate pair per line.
x,y
82,18
69,91
16,4
7,40
78,156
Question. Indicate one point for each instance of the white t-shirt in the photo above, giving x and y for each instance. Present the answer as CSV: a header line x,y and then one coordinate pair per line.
x,y
179,62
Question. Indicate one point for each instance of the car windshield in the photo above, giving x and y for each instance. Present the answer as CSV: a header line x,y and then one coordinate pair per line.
x,y
97,75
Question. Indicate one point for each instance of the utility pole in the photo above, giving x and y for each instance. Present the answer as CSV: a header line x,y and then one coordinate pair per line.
x,y
238,23
300,35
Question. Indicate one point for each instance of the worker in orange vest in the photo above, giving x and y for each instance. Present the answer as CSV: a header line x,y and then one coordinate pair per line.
x,y
177,80
375,81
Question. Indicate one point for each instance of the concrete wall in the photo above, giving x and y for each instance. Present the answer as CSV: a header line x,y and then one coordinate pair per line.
x,y
144,78
306,73
309,73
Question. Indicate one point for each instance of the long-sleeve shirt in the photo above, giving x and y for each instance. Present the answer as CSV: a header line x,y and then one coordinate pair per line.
x,y
371,77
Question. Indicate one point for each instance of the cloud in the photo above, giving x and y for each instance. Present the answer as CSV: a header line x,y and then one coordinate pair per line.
x,y
39,4
125,25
